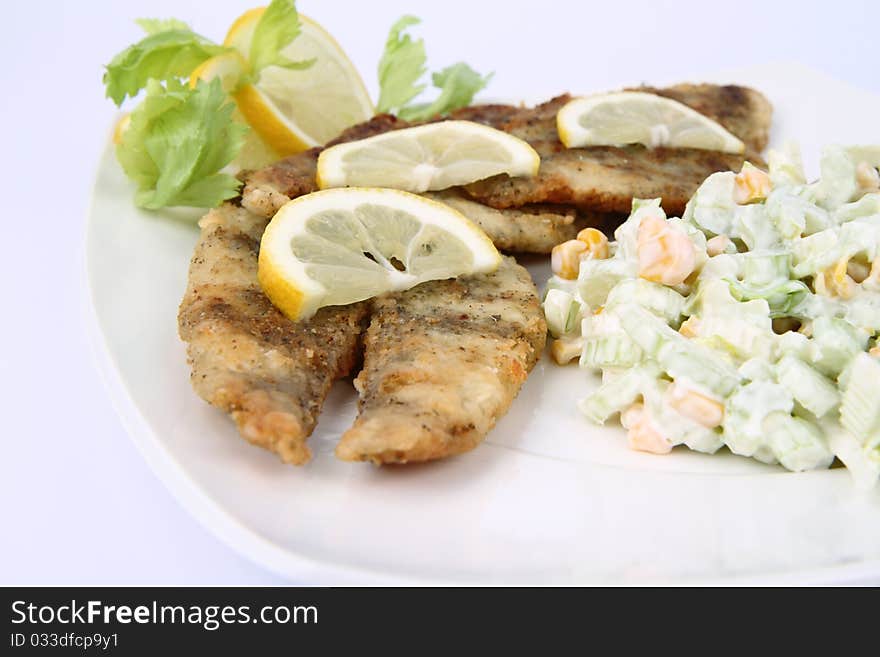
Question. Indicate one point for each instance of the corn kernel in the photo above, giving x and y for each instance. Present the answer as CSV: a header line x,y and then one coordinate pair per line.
x,y
565,350
752,185
641,434
666,255
697,407
835,282
565,259
690,328
867,177
631,415
717,245
597,243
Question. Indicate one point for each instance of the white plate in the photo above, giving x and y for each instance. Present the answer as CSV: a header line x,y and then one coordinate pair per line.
x,y
548,499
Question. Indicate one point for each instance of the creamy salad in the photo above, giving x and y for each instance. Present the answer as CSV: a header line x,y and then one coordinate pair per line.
x,y
751,322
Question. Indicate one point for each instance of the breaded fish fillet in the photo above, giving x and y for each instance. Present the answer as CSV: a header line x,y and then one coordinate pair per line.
x,y
271,375
443,362
532,229
591,181
265,190
743,111
529,229
607,178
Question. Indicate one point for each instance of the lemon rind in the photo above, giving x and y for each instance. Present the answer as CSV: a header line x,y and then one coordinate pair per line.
x,y
285,279
572,134
331,173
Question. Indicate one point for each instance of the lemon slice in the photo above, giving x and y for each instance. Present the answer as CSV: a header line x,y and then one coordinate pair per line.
x,y
295,110
427,157
344,245
230,67
635,117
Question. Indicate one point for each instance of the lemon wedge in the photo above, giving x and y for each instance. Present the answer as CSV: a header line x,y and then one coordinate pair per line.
x,y
294,110
340,246
427,157
634,117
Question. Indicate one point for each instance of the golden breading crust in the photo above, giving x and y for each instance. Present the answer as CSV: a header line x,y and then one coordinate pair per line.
x,y
442,363
265,190
606,179
534,229
527,229
743,111
271,375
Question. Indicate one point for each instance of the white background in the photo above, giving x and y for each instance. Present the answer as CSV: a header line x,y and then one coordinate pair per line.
x,y
77,503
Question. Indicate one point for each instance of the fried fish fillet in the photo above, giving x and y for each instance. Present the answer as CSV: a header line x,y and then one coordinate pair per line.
x,y
529,229
443,361
271,375
535,229
586,181
265,190
607,178
743,111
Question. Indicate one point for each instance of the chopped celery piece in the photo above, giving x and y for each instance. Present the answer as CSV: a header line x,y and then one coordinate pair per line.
x,y
617,394
775,327
695,364
835,342
747,409
782,297
756,369
788,215
797,444
860,405
646,329
814,253
793,343
863,312
810,389
659,299
740,338
753,227
597,277
713,297
712,207
786,166
610,351
766,267
866,206
865,470
838,182
562,312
